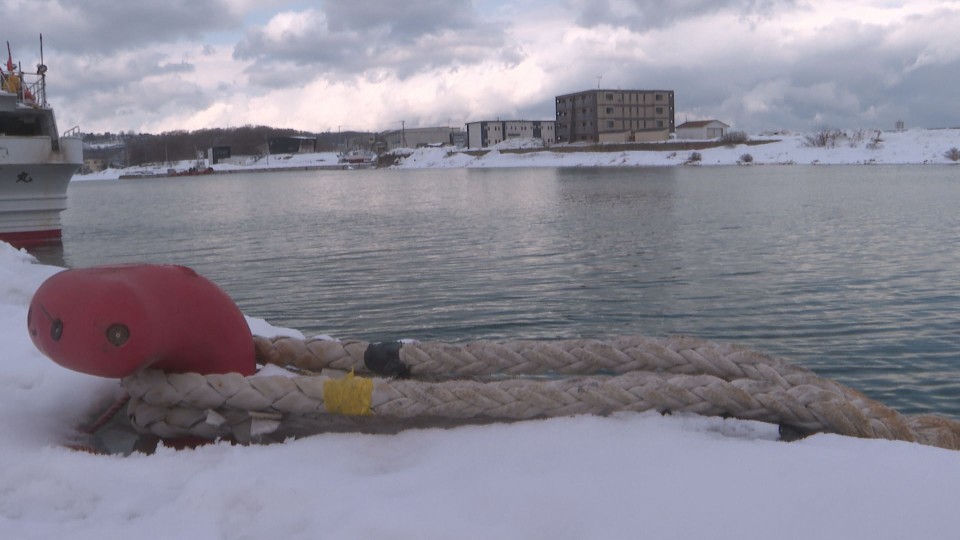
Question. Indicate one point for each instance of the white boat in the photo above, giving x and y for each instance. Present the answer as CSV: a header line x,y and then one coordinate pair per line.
x,y
358,157
36,163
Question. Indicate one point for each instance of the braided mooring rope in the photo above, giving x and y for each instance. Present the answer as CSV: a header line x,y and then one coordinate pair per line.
x,y
444,384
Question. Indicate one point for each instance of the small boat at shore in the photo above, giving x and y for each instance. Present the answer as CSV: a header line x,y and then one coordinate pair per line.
x,y
358,157
36,162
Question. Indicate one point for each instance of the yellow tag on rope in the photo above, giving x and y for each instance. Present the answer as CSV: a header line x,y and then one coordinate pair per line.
x,y
348,395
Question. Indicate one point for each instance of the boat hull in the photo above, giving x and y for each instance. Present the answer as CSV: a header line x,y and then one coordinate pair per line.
x,y
33,188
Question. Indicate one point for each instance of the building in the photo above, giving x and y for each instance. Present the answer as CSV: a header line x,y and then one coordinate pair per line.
x,y
615,116
491,132
218,154
289,145
110,154
459,139
702,129
420,137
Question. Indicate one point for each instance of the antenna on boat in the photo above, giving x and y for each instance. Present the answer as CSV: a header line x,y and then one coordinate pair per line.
x,y
42,73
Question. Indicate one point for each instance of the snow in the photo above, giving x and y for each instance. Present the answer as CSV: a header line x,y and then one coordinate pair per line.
x,y
251,164
915,146
625,476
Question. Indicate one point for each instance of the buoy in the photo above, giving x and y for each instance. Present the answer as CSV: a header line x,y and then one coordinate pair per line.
x,y
113,321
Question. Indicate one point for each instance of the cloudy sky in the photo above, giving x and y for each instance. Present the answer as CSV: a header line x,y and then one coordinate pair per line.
x,y
323,65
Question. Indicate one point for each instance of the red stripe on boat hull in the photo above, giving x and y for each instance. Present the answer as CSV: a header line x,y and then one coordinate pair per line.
x,y
22,239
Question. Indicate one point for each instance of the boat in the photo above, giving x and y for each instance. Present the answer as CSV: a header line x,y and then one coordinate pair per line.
x,y
36,162
358,157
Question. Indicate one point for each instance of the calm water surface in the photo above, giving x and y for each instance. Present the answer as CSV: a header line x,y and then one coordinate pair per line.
x,y
852,271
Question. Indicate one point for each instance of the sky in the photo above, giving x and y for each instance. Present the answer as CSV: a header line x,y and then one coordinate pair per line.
x,y
328,65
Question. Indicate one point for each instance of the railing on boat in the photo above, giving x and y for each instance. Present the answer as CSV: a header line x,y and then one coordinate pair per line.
x,y
31,88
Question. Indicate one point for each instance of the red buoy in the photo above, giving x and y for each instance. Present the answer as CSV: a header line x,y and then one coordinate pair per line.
x,y
113,321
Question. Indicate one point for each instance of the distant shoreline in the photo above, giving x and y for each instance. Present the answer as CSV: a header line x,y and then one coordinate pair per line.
x,y
339,167
909,147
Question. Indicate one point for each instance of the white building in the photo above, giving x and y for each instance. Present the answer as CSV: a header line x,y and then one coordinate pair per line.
x,y
491,132
419,137
702,129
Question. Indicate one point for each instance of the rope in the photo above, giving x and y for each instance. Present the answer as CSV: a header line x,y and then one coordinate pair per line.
x,y
106,416
445,384
678,355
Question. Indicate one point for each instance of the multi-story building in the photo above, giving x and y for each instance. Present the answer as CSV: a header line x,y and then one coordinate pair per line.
x,y
615,116
491,132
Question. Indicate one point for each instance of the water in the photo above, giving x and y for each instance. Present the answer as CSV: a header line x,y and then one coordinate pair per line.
x,y
851,271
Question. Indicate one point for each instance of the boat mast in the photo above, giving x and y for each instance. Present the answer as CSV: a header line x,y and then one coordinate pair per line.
x,y
42,74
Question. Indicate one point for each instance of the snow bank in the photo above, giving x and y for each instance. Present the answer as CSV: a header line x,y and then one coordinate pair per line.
x,y
856,148
251,164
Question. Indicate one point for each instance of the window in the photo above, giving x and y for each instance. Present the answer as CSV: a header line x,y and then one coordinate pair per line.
x,y
609,96
658,97
609,110
659,110
609,123
659,123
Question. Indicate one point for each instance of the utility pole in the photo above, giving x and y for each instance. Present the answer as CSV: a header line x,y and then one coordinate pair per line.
x,y
403,135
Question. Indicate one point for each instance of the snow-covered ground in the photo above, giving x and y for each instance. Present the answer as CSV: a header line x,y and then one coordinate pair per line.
x,y
915,146
280,161
627,476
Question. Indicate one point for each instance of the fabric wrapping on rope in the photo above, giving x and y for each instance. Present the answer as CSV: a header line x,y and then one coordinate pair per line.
x,y
465,383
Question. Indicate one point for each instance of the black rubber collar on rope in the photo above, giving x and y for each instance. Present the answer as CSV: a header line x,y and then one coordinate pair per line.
x,y
383,358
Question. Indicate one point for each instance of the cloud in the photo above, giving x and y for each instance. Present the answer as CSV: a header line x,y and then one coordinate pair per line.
x,y
837,71
138,89
644,15
406,21
757,64
356,37
101,27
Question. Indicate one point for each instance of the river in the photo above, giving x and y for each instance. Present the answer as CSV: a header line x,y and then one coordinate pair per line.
x,y
852,271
